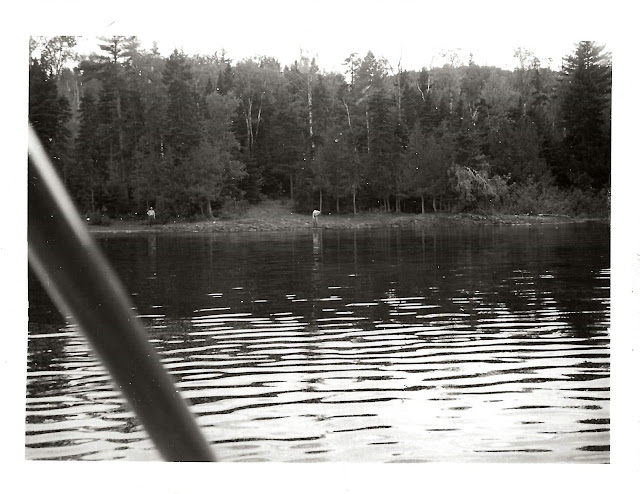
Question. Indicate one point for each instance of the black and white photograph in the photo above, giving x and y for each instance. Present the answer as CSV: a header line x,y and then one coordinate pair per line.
x,y
345,234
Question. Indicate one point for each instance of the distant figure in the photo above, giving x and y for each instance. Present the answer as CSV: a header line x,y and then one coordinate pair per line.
x,y
152,215
315,215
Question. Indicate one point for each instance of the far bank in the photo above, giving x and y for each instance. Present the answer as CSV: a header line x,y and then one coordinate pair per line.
x,y
276,216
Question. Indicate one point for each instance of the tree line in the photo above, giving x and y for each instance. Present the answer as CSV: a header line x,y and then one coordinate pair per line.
x,y
195,135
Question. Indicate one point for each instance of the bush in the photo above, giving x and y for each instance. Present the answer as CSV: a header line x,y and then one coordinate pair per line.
x,y
590,203
97,218
542,197
231,208
476,188
161,219
534,197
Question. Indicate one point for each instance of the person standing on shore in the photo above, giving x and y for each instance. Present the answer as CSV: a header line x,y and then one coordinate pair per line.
x,y
151,215
315,215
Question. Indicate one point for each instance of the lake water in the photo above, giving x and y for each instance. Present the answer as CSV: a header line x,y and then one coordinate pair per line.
x,y
463,344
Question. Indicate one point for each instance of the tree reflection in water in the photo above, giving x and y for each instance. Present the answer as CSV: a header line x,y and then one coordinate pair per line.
x,y
458,344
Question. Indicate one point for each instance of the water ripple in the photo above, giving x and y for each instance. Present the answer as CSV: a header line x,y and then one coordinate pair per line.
x,y
300,375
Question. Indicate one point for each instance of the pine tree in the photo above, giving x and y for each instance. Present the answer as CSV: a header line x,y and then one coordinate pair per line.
x,y
427,160
225,77
90,172
43,103
384,149
516,150
183,119
115,104
336,168
150,94
49,114
586,100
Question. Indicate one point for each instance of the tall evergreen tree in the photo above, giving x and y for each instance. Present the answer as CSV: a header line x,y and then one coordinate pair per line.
x,y
586,99
115,64
184,130
43,103
516,150
225,78
146,83
336,168
90,172
383,158
48,113
428,160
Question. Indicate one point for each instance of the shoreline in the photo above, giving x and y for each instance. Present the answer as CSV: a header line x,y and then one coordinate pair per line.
x,y
287,221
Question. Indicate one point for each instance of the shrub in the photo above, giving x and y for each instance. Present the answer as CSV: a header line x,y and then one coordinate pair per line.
x,y
543,197
97,218
532,197
161,219
231,208
476,188
590,202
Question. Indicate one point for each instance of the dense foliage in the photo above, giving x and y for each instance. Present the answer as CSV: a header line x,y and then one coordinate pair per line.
x,y
190,135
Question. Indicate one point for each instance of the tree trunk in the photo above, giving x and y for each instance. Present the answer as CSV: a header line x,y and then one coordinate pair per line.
x,y
320,200
209,211
422,200
310,107
258,120
366,114
434,204
291,186
353,195
247,118
337,205
77,93
399,91
421,92
121,172
112,172
348,114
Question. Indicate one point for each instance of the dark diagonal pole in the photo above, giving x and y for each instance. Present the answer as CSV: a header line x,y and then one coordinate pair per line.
x,y
83,286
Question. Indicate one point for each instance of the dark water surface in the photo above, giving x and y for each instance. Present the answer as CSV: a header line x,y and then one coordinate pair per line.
x,y
482,344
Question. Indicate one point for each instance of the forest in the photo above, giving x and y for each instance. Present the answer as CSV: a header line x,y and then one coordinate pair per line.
x,y
202,136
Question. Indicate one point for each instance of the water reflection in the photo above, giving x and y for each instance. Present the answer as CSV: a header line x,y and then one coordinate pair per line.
x,y
466,344
151,246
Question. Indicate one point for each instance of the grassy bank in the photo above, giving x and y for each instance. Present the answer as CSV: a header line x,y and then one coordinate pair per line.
x,y
276,216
